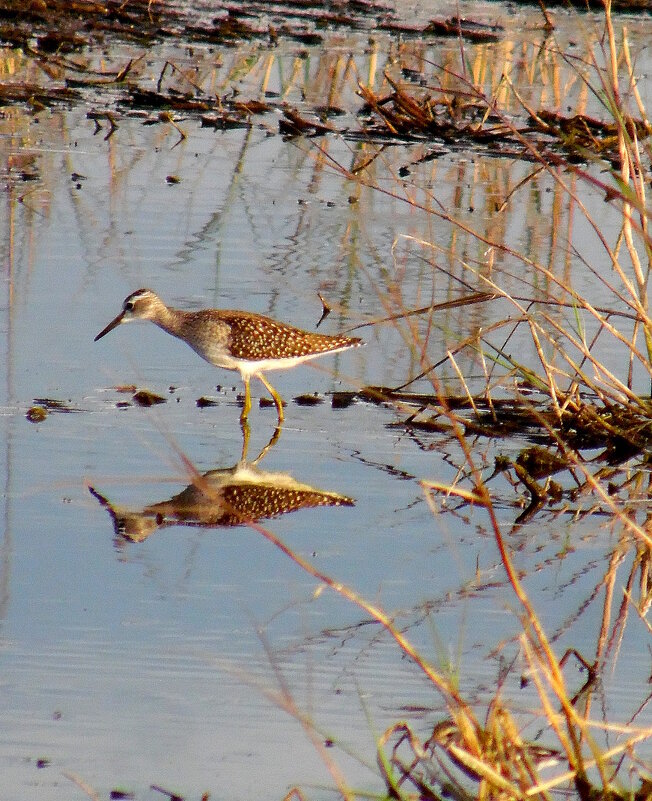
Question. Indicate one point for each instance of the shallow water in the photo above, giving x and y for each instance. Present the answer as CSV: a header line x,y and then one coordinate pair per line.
x,y
162,661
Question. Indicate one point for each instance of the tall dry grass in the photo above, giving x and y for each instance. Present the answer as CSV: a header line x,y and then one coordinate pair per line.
x,y
580,404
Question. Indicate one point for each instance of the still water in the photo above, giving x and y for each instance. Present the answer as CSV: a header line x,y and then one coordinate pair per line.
x,y
164,661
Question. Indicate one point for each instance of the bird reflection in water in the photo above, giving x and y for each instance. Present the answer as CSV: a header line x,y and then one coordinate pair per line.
x,y
225,497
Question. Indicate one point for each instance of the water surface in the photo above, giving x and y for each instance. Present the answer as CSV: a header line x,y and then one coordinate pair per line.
x,y
132,663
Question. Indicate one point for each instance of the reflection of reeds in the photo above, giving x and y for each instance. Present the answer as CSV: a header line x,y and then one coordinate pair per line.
x,y
581,403
588,403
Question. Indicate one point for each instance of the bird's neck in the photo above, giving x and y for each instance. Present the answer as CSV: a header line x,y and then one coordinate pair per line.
x,y
169,320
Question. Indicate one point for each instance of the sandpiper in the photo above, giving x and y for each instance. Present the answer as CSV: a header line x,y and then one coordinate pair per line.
x,y
235,340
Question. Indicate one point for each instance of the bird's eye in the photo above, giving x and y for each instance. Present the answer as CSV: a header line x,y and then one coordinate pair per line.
x,y
129,305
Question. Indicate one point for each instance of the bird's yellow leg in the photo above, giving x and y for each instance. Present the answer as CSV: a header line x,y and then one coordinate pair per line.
x,y
270,444
244,425
277,398
247,400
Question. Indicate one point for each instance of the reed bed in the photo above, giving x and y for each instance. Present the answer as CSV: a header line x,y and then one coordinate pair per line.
x,y
591,422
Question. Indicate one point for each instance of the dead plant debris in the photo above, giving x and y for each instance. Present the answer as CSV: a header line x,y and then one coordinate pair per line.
x,y
171,795
617,433
52,405
204,402
540,462
59,34
457,118
617,5
308,399
453,26
36,96
36,414
460,753
42,407
342,400
146,398
63,26
568,441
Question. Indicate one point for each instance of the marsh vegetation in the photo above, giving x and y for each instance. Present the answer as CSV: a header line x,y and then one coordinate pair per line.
x,y
468,195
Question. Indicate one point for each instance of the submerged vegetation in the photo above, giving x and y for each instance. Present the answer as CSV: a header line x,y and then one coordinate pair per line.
x,y
544,392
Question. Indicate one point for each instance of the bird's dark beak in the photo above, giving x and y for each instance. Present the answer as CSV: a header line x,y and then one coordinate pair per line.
x,y
110,326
